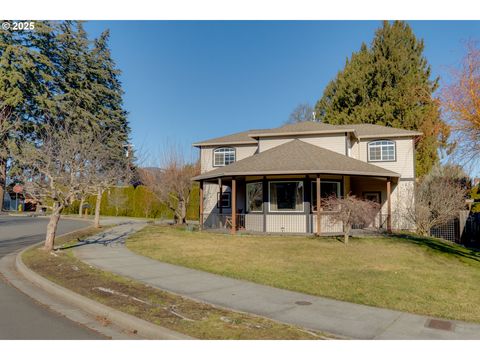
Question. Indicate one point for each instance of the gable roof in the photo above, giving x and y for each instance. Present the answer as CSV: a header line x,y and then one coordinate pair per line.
x,y
304,127
364,131
233,139
360,131
297,157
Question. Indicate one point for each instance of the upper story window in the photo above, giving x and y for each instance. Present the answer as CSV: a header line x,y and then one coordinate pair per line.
x,y
381,150
223,156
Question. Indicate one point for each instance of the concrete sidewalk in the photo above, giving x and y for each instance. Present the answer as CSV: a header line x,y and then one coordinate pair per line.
x,y
337,317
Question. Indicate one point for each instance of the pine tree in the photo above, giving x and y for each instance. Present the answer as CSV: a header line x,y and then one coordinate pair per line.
x,y
389,84
24,73
111,118
108,92
84,101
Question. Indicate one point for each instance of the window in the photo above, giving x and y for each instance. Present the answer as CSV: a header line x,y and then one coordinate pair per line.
x,y
224,202
381,150
255,197
286,196
223,156
327,188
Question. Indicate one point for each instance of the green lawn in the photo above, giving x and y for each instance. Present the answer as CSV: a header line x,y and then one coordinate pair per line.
x,y
420,275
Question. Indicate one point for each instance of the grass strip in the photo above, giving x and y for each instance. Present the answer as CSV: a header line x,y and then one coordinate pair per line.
x,y
175,312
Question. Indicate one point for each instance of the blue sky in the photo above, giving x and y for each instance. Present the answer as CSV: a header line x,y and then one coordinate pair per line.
x,y
193,80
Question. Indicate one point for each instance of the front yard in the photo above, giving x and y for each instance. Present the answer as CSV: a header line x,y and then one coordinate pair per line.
x,y
172,311
420,275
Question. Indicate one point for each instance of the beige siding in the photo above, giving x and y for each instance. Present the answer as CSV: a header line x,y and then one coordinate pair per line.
x,y
210,197
404,162
254,222
402,205
206,154
333,142
327,224
355,149
401,198
289,223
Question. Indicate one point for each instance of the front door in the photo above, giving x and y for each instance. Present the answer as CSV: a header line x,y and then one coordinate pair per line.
x,y
374,196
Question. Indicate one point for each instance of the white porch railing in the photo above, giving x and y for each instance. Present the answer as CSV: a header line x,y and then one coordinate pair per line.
x,y
287,223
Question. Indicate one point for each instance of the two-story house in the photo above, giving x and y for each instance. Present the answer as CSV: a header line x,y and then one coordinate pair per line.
x,y
269,180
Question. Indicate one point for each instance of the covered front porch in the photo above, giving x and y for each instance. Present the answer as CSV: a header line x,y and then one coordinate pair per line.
x,y
276,191
288,203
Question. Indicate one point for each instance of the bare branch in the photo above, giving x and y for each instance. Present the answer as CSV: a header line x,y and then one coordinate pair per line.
x,y
351,210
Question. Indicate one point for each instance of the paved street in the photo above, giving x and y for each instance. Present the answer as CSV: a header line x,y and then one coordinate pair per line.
x,y
20,316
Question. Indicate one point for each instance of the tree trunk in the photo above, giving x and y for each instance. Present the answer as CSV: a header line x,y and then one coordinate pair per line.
x,y
3,180
52,226
97,208
182,213
80,210
346,233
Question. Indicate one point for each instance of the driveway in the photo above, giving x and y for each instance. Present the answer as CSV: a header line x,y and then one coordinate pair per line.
x,y
20,316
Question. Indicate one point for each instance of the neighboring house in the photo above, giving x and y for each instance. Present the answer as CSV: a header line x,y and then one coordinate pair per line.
x,y
12,200
7,201
268,180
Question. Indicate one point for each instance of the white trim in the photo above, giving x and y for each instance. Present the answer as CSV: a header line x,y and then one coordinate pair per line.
x,y
224,152
381,146
286,211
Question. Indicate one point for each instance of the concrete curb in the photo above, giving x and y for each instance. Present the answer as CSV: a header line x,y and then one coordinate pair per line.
x,y
135,325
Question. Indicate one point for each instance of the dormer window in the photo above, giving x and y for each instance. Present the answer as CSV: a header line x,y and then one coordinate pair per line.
x,y
381,150
223,156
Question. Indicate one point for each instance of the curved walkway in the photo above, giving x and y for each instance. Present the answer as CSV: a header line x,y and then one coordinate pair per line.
x,y
108,252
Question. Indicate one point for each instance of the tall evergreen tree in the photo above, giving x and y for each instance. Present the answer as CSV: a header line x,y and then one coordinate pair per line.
x,y
83,101
389,84
24,73
108,92
111,118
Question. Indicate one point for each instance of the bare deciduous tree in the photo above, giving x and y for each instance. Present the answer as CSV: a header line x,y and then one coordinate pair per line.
x,y
53,170
439,196
172,183
302,112
351,211
461,102
108,167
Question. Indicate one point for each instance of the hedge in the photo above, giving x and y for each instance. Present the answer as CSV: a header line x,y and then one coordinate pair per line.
x,y
135,202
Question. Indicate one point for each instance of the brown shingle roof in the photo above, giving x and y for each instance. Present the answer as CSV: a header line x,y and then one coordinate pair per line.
x,y
233,139
374,131
305,127
297,157
309,127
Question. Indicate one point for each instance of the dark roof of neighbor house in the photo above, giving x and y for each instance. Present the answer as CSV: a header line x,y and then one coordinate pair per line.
x,y
309,128
297,157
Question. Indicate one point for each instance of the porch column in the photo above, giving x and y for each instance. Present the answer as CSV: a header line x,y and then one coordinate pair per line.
x,y
265,202
319,230
307,204
201,205
234,206
220,208
389,205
